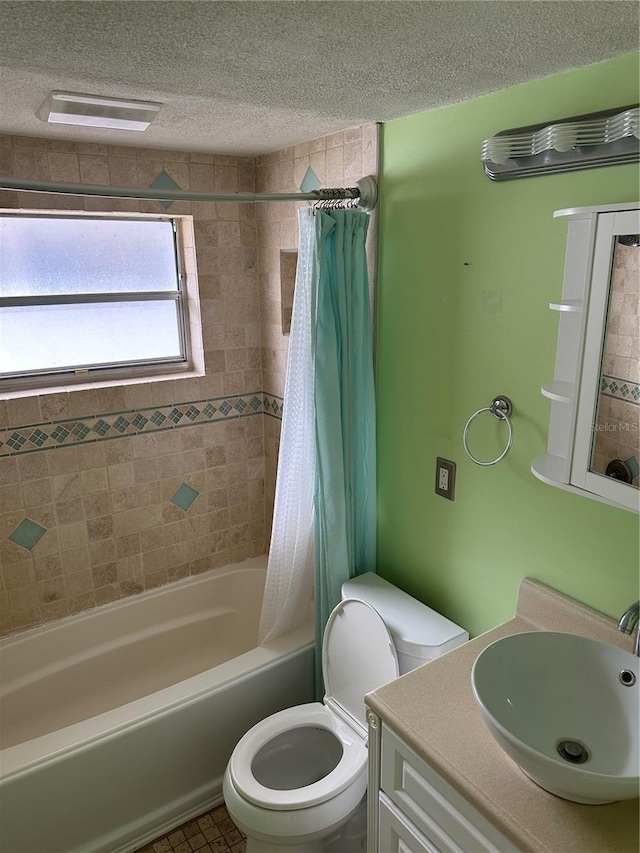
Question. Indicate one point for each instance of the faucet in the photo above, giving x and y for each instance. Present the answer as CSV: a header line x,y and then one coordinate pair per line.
x,y
629,620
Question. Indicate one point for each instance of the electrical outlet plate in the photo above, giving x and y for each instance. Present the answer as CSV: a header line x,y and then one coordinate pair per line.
x,y
445,478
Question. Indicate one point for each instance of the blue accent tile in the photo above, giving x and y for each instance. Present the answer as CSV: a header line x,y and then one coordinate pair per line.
x,y
101,427
27,534
121,424
240,405
192,413
225,408
209,410
16,441
80,431
634,467
38,437
175,415
310,181
59,434
184,497
164,182
158,418
139,421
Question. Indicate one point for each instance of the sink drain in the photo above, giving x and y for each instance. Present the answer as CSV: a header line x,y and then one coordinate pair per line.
x,y
573,751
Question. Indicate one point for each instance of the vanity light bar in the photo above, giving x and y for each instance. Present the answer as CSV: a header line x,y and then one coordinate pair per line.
x,y
97,111
608,138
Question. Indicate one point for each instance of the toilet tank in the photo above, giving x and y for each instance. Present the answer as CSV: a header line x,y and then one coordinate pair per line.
x,y
419,633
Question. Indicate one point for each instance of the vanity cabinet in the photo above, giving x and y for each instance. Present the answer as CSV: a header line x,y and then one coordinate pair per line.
x,y
411,809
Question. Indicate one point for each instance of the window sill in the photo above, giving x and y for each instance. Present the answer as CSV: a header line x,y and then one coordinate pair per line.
x,y
45,390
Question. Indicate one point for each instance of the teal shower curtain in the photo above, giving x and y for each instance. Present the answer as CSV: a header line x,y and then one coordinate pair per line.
x,y
345,480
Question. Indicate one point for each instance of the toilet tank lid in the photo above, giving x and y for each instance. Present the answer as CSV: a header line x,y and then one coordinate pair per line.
x,y
416,629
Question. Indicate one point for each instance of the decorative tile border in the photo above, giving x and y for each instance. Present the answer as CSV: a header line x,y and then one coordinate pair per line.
x,y
74,431
621,389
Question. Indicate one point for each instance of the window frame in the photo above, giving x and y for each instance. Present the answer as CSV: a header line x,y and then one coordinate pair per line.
x,y
111,373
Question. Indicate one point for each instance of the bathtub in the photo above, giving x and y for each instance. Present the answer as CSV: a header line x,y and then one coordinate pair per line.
x,y
117,724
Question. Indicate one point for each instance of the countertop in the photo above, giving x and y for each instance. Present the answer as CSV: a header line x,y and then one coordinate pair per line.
x,y
433,710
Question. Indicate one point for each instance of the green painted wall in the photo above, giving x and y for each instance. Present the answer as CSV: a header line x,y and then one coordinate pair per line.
x,y
467,268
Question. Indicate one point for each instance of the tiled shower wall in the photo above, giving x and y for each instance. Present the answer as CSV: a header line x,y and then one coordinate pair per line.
x,y
98,471
338,160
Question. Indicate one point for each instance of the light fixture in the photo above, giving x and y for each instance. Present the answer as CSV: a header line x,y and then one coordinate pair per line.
x,y
97,111
607,138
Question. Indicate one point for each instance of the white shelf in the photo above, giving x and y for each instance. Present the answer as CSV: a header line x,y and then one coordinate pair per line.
x,y
550,469
558,390
571,305
585,212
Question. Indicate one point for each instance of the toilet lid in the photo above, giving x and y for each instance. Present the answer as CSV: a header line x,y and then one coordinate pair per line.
x,y
358,655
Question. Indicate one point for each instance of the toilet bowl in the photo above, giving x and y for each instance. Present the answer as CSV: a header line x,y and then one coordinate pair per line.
x,y
296,782
300,775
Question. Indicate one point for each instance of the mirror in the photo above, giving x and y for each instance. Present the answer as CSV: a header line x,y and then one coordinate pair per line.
x,y
594,424
615,445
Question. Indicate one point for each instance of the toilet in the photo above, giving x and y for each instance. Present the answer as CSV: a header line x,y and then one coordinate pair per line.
x,y
297,778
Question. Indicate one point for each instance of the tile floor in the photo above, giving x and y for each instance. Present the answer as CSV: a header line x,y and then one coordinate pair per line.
x,y
212,832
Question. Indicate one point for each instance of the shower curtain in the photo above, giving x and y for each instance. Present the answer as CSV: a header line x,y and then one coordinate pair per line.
x,y
325,513
289,583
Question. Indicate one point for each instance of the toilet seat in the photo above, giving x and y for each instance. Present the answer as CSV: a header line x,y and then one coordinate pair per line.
x,y
358,655
351,765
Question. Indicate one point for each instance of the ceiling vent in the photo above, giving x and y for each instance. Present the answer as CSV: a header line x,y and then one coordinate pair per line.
x,y
97,111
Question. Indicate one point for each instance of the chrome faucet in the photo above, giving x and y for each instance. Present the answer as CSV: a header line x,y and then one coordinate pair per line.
x,y
629,620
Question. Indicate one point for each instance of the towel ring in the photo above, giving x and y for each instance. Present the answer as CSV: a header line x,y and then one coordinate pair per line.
x,y
501,408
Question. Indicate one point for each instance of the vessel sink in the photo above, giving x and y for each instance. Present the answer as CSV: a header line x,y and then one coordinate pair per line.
x,y
565,709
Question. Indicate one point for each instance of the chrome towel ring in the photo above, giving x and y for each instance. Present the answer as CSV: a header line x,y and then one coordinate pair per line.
x,y
501,408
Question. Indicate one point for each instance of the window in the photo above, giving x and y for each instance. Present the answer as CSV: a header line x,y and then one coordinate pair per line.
x,y
85,298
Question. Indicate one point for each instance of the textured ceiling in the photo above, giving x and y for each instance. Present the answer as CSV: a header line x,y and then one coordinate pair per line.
x,y
251,77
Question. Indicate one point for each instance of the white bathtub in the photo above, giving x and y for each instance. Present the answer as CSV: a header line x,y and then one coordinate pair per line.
x,y
118,723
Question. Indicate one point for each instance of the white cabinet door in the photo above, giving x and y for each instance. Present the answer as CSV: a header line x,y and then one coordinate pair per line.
x,y
432,805
397,834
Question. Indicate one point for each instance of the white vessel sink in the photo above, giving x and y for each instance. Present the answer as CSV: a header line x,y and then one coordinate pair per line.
x,y
565,709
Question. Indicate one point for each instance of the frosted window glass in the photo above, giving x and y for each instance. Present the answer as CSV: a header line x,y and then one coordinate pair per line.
x,y
77,292
42,256
54,337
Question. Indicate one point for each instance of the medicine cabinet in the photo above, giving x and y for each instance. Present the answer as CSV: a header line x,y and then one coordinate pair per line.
x,y
594,435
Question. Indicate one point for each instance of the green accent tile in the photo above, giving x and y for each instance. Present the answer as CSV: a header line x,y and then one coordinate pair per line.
x,y
209,410
38,437
16,441
27,534
164,182
121,424
59,434
80,431
140,421
225,408
158,418
101,427
175,415
634,467
184,497
192,413
310,181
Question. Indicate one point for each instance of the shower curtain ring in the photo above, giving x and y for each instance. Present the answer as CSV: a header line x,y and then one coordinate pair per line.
x,y
501,408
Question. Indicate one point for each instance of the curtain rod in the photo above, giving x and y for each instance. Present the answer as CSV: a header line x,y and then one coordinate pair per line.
x,y
366,190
